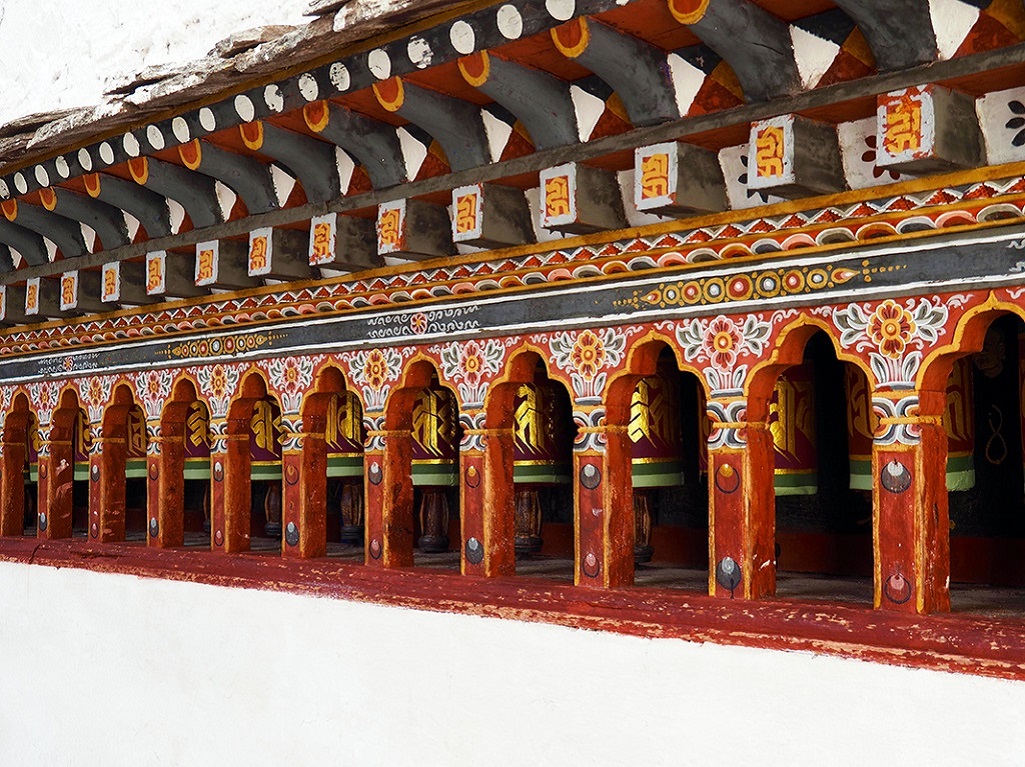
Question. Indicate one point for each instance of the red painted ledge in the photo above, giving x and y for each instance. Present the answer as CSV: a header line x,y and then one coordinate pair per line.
x,y
969,645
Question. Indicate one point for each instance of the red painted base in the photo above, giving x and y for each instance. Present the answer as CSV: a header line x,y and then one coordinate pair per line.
x,y
981,646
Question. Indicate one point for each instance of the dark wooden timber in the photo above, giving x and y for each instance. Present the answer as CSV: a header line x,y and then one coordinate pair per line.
x,y
935,72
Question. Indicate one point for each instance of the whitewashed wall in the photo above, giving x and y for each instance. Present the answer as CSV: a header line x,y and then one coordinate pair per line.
x,y
115,670
59,53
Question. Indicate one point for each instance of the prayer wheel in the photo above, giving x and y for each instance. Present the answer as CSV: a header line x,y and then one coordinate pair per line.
x,y
959,422
435,462
657,448
541,450
135,466
792,425
343,437
859,428
196,453
265,461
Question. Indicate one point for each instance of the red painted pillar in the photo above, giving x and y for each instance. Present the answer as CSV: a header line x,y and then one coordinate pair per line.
x,y
911,530
107,462
603,494
304,503
488,503
12,488
742,513
165,487
389,499
218,462
236,489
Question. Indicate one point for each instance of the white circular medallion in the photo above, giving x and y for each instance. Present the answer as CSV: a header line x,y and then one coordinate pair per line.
x,y
419,52
308,86
130,144
85,159
510,22
42,176
462,37
244,107
4,191
379,63
155,137
180,129
273,99
19,183
207,119
107,153
562,10
339,75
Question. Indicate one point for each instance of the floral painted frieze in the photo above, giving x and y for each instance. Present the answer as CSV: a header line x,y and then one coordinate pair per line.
x,y
895,334
587,357
290,378
375,372
217,384
716,345
471,366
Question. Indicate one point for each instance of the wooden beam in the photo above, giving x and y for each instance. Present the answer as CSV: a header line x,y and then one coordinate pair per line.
x,y
534,163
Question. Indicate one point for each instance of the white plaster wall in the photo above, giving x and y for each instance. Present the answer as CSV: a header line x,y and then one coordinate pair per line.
x,y
114,670
59,53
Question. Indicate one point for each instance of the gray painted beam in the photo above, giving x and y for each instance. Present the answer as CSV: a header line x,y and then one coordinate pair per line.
x,y
67,234
285,254
29,244
145,205
539,100
637,71
12,311
106,220
87,296
455,124
179,276
309,160
193,191
249,178
6,259
756,45
899,32
343,243
132,285
373,143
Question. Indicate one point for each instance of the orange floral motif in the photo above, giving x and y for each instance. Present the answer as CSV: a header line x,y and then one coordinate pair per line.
x,y
722,342
588,355
891,327
218,383
375,369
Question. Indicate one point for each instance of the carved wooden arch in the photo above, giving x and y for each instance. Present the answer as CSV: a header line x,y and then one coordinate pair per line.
x,y
18,424
416,375
519,369
642,360
968,337
57,473
788,350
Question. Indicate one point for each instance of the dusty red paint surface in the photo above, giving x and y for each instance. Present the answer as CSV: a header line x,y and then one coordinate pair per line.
x,y
962,644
